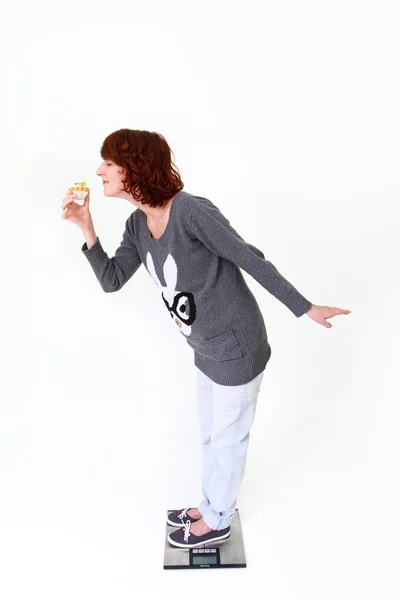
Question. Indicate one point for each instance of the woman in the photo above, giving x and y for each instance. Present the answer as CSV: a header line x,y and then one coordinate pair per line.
x,y
194,256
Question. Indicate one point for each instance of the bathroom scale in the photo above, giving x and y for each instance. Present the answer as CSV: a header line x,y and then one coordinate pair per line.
x,y
212,555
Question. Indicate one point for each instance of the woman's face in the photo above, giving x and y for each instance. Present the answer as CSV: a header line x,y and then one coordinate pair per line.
x,y
111,175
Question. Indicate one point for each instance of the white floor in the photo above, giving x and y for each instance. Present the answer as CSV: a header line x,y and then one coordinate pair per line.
x,y
83,502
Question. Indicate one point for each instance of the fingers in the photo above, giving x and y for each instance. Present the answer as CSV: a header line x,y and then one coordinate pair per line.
x,y
65,204
65,212
326,323
338,311
68,199
334,311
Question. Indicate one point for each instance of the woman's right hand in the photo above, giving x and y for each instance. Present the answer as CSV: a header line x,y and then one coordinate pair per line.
x,y
80,215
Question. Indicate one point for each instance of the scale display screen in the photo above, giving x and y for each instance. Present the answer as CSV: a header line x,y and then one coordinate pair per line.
x,y
204,557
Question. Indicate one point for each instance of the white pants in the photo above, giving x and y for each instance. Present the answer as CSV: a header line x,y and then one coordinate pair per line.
x,y
226,416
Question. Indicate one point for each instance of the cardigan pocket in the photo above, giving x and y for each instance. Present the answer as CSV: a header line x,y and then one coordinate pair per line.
x,y
222,347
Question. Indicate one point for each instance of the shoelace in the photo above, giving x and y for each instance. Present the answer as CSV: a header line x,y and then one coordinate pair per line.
x,y
186,528
183,514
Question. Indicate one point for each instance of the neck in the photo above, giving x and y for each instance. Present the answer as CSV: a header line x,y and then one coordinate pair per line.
x,y
155,214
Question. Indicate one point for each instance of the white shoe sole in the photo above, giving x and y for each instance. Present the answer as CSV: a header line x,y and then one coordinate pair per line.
x,y
211,541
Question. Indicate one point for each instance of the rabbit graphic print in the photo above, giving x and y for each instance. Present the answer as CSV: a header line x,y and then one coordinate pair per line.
x,y
181,305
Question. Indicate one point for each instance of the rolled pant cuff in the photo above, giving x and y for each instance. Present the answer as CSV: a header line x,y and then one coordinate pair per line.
x,y
213,519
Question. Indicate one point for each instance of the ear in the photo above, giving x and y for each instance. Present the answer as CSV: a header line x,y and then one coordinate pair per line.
x,y
151,269
170,273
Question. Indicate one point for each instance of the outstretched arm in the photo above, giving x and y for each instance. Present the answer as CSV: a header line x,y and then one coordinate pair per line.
x,y
212,228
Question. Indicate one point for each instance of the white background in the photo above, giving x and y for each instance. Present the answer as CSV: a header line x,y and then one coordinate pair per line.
x,y
286,116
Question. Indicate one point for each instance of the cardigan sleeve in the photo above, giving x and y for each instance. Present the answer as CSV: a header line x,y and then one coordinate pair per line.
x,y
112,273
213,229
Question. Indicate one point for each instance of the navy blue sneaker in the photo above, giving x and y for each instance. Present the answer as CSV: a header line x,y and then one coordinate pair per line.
x,y
178,518
183,538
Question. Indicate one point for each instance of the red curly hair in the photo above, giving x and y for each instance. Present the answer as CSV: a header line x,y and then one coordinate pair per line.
x,y
150,175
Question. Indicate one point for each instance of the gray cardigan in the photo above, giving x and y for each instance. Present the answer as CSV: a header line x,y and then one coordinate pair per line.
x,y
196,266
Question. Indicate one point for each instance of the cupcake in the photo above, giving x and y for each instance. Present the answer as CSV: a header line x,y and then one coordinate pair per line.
x,y
81,191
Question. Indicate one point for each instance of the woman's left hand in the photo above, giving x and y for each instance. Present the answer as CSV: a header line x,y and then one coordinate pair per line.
x,y
320,313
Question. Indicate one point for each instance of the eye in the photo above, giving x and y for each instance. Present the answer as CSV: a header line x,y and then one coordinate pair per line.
x,y
108,164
